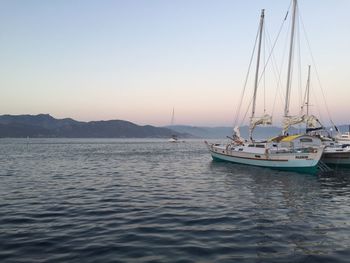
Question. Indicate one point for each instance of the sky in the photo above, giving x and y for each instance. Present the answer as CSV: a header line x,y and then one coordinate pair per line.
x,y
137,60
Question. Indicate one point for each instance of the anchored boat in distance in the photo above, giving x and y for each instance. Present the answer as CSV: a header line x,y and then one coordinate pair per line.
x,y
173,137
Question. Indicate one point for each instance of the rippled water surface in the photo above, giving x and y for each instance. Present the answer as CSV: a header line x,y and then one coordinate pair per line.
x,y
152,201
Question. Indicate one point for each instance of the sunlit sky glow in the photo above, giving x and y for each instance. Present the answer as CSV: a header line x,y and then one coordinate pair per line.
x,y
136,60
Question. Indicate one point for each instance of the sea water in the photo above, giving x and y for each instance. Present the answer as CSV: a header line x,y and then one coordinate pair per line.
x,y
118,200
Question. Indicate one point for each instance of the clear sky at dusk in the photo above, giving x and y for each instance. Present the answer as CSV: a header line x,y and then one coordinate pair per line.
x,y
136,60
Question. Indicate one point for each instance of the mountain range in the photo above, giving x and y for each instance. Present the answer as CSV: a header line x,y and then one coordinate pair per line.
x,y
260,132
46,126
222,132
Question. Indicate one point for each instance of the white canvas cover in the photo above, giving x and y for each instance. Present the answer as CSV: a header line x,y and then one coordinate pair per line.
x,y
264,120
237,132
310,120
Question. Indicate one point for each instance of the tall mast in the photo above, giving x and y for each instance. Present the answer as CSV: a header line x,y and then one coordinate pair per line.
x,y
258,61
289,73
308,92
261,25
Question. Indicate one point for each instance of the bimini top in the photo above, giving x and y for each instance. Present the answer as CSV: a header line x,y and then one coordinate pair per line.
x,y
288,138
291,138
298,140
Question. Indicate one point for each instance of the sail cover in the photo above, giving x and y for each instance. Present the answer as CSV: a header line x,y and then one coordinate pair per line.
x,y
237,132
310,120
264,120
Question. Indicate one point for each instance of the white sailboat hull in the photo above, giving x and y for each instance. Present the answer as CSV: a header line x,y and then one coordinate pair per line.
x,y
343,138
291,161
343,141
337,156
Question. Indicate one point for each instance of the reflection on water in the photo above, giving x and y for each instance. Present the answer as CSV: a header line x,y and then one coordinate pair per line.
x,y
89,200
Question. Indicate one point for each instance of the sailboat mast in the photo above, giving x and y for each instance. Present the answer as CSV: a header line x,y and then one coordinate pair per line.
x,y
258,61
308,92
289,73
172,117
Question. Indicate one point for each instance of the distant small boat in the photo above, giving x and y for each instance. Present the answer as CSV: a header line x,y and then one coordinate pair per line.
x,y
173,138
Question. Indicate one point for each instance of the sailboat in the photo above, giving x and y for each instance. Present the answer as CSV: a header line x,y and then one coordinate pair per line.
x,y
343,137
173,137
336,152
300,153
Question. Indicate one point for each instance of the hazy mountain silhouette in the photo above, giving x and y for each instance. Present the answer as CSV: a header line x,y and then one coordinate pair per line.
x,y
44,125
221,132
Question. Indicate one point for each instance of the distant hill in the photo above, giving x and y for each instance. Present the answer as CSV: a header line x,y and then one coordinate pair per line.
x,y
202,132
221,132
343,128
44,125
42,120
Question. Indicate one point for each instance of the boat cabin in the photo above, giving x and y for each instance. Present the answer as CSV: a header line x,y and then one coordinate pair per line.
x,y
297,141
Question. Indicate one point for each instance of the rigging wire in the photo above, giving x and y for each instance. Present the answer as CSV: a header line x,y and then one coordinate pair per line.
x,y
318,108
299,60
277,75
274,44
246,80
305,103
316,71
250,63
246,113
264,59
271,55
